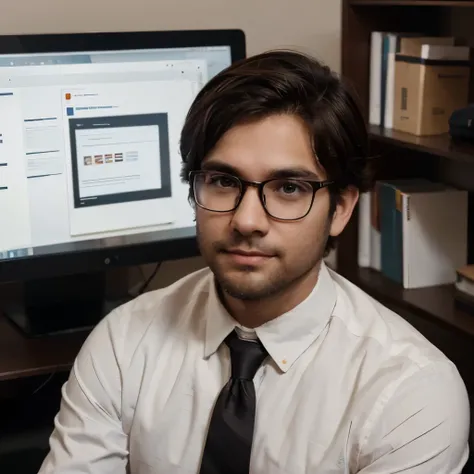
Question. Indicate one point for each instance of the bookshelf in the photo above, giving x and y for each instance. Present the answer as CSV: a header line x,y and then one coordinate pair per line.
x,y
439,145
400,155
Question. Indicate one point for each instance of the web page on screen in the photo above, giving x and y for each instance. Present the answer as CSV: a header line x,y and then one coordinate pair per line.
x,y
90,150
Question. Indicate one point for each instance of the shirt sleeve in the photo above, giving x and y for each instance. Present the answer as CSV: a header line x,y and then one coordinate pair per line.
x,y
88,435
424,427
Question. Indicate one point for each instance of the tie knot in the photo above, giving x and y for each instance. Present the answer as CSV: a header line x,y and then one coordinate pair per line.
x,y
246,356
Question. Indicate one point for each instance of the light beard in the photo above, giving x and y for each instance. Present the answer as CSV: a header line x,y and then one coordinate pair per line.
x,y
275,285
239,293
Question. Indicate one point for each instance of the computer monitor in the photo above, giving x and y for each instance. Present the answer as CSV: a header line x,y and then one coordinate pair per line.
x,y
89,160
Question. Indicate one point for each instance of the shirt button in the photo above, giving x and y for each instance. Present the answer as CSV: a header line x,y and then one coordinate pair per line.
x,y
284,361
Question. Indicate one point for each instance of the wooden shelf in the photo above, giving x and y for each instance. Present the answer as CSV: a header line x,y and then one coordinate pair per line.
x,y
432,311
415,3
434,303
440,145
24,357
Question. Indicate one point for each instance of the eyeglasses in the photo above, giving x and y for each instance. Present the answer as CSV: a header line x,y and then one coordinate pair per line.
x,y
286,199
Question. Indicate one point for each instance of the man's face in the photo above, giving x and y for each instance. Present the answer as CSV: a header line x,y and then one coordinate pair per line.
x,y
252,255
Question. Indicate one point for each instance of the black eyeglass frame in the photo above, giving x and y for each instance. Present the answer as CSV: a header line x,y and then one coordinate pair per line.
x,y
245,184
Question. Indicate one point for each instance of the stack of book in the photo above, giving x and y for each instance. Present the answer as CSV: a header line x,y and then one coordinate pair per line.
x,y
416,81
414,231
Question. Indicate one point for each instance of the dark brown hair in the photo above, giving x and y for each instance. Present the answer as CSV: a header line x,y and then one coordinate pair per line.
x,y
283,82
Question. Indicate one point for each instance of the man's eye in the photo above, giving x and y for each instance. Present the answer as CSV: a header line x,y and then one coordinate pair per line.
x,y
222,181
290,188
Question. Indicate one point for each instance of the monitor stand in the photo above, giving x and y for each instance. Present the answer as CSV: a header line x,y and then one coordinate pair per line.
x,y
62,304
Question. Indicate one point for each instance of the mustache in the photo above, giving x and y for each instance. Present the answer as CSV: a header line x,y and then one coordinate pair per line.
x,y
246,245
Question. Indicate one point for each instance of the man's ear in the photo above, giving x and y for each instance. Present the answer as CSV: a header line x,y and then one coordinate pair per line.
x,y
346,202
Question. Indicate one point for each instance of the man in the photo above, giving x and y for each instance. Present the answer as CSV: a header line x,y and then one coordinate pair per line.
x,y
267,362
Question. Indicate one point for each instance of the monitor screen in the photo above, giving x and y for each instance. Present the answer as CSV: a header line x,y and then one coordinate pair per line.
x,y
89,146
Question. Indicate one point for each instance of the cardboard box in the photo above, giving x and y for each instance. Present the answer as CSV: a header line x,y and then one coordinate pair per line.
x,y
431,81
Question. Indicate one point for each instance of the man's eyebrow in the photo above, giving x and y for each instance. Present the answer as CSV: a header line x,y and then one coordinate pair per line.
x,y
219,166
294,173
298,172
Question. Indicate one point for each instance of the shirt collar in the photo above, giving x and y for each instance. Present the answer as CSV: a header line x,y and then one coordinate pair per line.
x,y
286,337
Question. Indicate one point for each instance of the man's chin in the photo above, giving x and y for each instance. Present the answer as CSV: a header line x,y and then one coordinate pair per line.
x,y
247,287
245,294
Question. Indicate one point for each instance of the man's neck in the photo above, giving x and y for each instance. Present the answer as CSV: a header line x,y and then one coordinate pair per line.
x,y
252,314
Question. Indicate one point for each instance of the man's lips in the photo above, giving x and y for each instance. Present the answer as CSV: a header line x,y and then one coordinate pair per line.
x,y
247,257
248,253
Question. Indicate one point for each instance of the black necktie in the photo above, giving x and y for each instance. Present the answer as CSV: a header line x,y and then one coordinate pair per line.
x,y
229,439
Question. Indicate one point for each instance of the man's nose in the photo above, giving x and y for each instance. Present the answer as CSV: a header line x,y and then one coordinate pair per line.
x,y
250,216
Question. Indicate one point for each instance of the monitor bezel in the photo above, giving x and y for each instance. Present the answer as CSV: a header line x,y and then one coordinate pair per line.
x,y
181,242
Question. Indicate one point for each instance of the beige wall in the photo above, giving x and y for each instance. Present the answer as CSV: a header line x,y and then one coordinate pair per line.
x,y
309,25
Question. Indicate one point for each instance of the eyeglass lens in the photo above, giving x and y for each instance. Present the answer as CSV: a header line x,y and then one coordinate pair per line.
x,y
282,198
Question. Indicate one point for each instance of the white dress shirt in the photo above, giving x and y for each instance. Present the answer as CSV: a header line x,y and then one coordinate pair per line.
x,y
348,387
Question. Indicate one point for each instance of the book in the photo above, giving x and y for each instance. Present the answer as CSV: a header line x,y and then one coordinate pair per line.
x,y
391,224
384,47
375,78
423,232
435,231
363,241
369,231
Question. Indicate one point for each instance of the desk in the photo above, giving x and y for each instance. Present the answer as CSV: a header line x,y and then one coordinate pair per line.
x,y
25,357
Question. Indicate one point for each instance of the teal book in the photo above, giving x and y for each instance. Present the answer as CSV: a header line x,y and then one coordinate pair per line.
x,y
391,225
391,231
